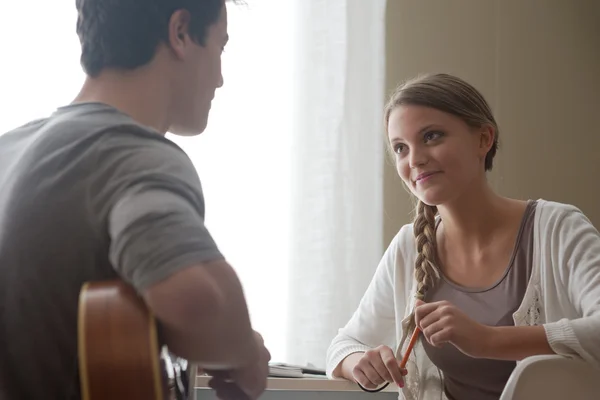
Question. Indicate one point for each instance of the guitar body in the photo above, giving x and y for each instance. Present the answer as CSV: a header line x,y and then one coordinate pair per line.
x,y
120,352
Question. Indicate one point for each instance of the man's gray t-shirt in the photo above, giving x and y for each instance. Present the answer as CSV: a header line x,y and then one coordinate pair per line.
x,y
85,195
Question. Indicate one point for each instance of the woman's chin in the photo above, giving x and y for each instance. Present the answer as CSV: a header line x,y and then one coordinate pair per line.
x,y
433,196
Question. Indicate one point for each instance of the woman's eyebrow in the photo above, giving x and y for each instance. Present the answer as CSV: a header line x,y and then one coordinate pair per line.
x,y
425,129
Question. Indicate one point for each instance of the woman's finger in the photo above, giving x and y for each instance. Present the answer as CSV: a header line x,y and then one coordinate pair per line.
x,y
423,310
392,365
379,366
373,375
428,319
442,335
361,378
436,333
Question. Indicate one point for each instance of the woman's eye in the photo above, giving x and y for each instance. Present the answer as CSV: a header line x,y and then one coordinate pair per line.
x,y
399,148
432,135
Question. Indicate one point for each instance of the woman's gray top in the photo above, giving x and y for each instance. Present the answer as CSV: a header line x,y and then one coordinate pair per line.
x,y
484,379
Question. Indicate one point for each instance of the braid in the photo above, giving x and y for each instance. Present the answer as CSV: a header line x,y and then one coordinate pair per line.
x,y
426,270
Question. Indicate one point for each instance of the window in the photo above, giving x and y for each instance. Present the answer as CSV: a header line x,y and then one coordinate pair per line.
x,y
40,65
242,158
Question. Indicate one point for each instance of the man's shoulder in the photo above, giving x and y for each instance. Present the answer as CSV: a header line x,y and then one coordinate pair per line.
x,y
87,123
97,145
106,123
113,139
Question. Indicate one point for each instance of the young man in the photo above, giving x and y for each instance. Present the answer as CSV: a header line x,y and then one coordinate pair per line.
x,y
96,192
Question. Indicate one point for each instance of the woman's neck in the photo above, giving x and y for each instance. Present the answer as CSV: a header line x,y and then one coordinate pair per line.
x,y
470,220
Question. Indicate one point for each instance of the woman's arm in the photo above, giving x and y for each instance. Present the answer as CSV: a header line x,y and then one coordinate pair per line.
x,y
574,247
515,343
374,322
441,323
344,369
571,255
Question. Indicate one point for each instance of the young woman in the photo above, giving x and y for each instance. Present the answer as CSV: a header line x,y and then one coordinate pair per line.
x,y
489,280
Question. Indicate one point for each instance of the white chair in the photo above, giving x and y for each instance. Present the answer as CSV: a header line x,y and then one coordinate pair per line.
x,y
552,378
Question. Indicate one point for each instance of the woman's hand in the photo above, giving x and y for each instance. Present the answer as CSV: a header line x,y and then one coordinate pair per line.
x,y
377,366
441,322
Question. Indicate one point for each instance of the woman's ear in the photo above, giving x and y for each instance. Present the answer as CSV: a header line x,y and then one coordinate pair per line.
x,y
487,135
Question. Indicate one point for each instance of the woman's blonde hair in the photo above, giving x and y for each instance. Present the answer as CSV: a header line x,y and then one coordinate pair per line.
x,y
454,96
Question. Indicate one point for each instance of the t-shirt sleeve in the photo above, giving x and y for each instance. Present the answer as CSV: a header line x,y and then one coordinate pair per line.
x,y
150,204
155,233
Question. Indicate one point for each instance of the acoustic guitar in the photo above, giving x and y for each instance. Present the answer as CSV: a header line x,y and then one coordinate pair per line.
x,y
121,355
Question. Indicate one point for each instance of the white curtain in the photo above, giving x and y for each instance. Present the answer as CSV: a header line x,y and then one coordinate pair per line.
x,y
291,163
337,168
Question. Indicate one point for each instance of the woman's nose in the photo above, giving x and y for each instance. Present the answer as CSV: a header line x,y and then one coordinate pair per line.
x,y
417,157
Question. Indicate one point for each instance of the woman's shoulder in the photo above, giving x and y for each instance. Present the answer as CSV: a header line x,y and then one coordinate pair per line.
x,y
557,213
404,239
562,224
402,248
398,260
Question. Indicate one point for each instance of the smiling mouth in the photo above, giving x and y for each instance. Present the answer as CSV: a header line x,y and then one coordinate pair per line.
x,y
425,177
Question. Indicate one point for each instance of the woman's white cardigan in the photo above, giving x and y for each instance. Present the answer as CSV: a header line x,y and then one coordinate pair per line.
x,y
563,295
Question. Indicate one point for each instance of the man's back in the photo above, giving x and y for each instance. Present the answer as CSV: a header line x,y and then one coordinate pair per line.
x,y
61,179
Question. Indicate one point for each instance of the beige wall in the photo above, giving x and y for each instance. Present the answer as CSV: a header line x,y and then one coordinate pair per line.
x,y
538,64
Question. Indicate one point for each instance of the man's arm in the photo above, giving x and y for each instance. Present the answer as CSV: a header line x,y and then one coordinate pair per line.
x,y
204,316
160,245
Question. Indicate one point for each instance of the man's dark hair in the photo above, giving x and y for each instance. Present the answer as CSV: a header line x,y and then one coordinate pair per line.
x,y
124,34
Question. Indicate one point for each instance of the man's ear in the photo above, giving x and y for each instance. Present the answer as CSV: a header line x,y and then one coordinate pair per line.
x,y
179,36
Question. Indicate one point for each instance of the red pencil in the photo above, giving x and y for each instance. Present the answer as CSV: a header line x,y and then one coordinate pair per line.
x,y
411,344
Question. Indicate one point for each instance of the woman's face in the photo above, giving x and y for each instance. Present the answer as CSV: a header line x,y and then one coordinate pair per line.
x,y
438,156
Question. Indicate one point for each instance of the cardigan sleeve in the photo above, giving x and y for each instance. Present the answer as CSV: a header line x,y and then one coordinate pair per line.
x,y
575,248
374,322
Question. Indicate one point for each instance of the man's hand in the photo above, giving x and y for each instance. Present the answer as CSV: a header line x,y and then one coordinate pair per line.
x,y
225,389
246,383
252,379
442,322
